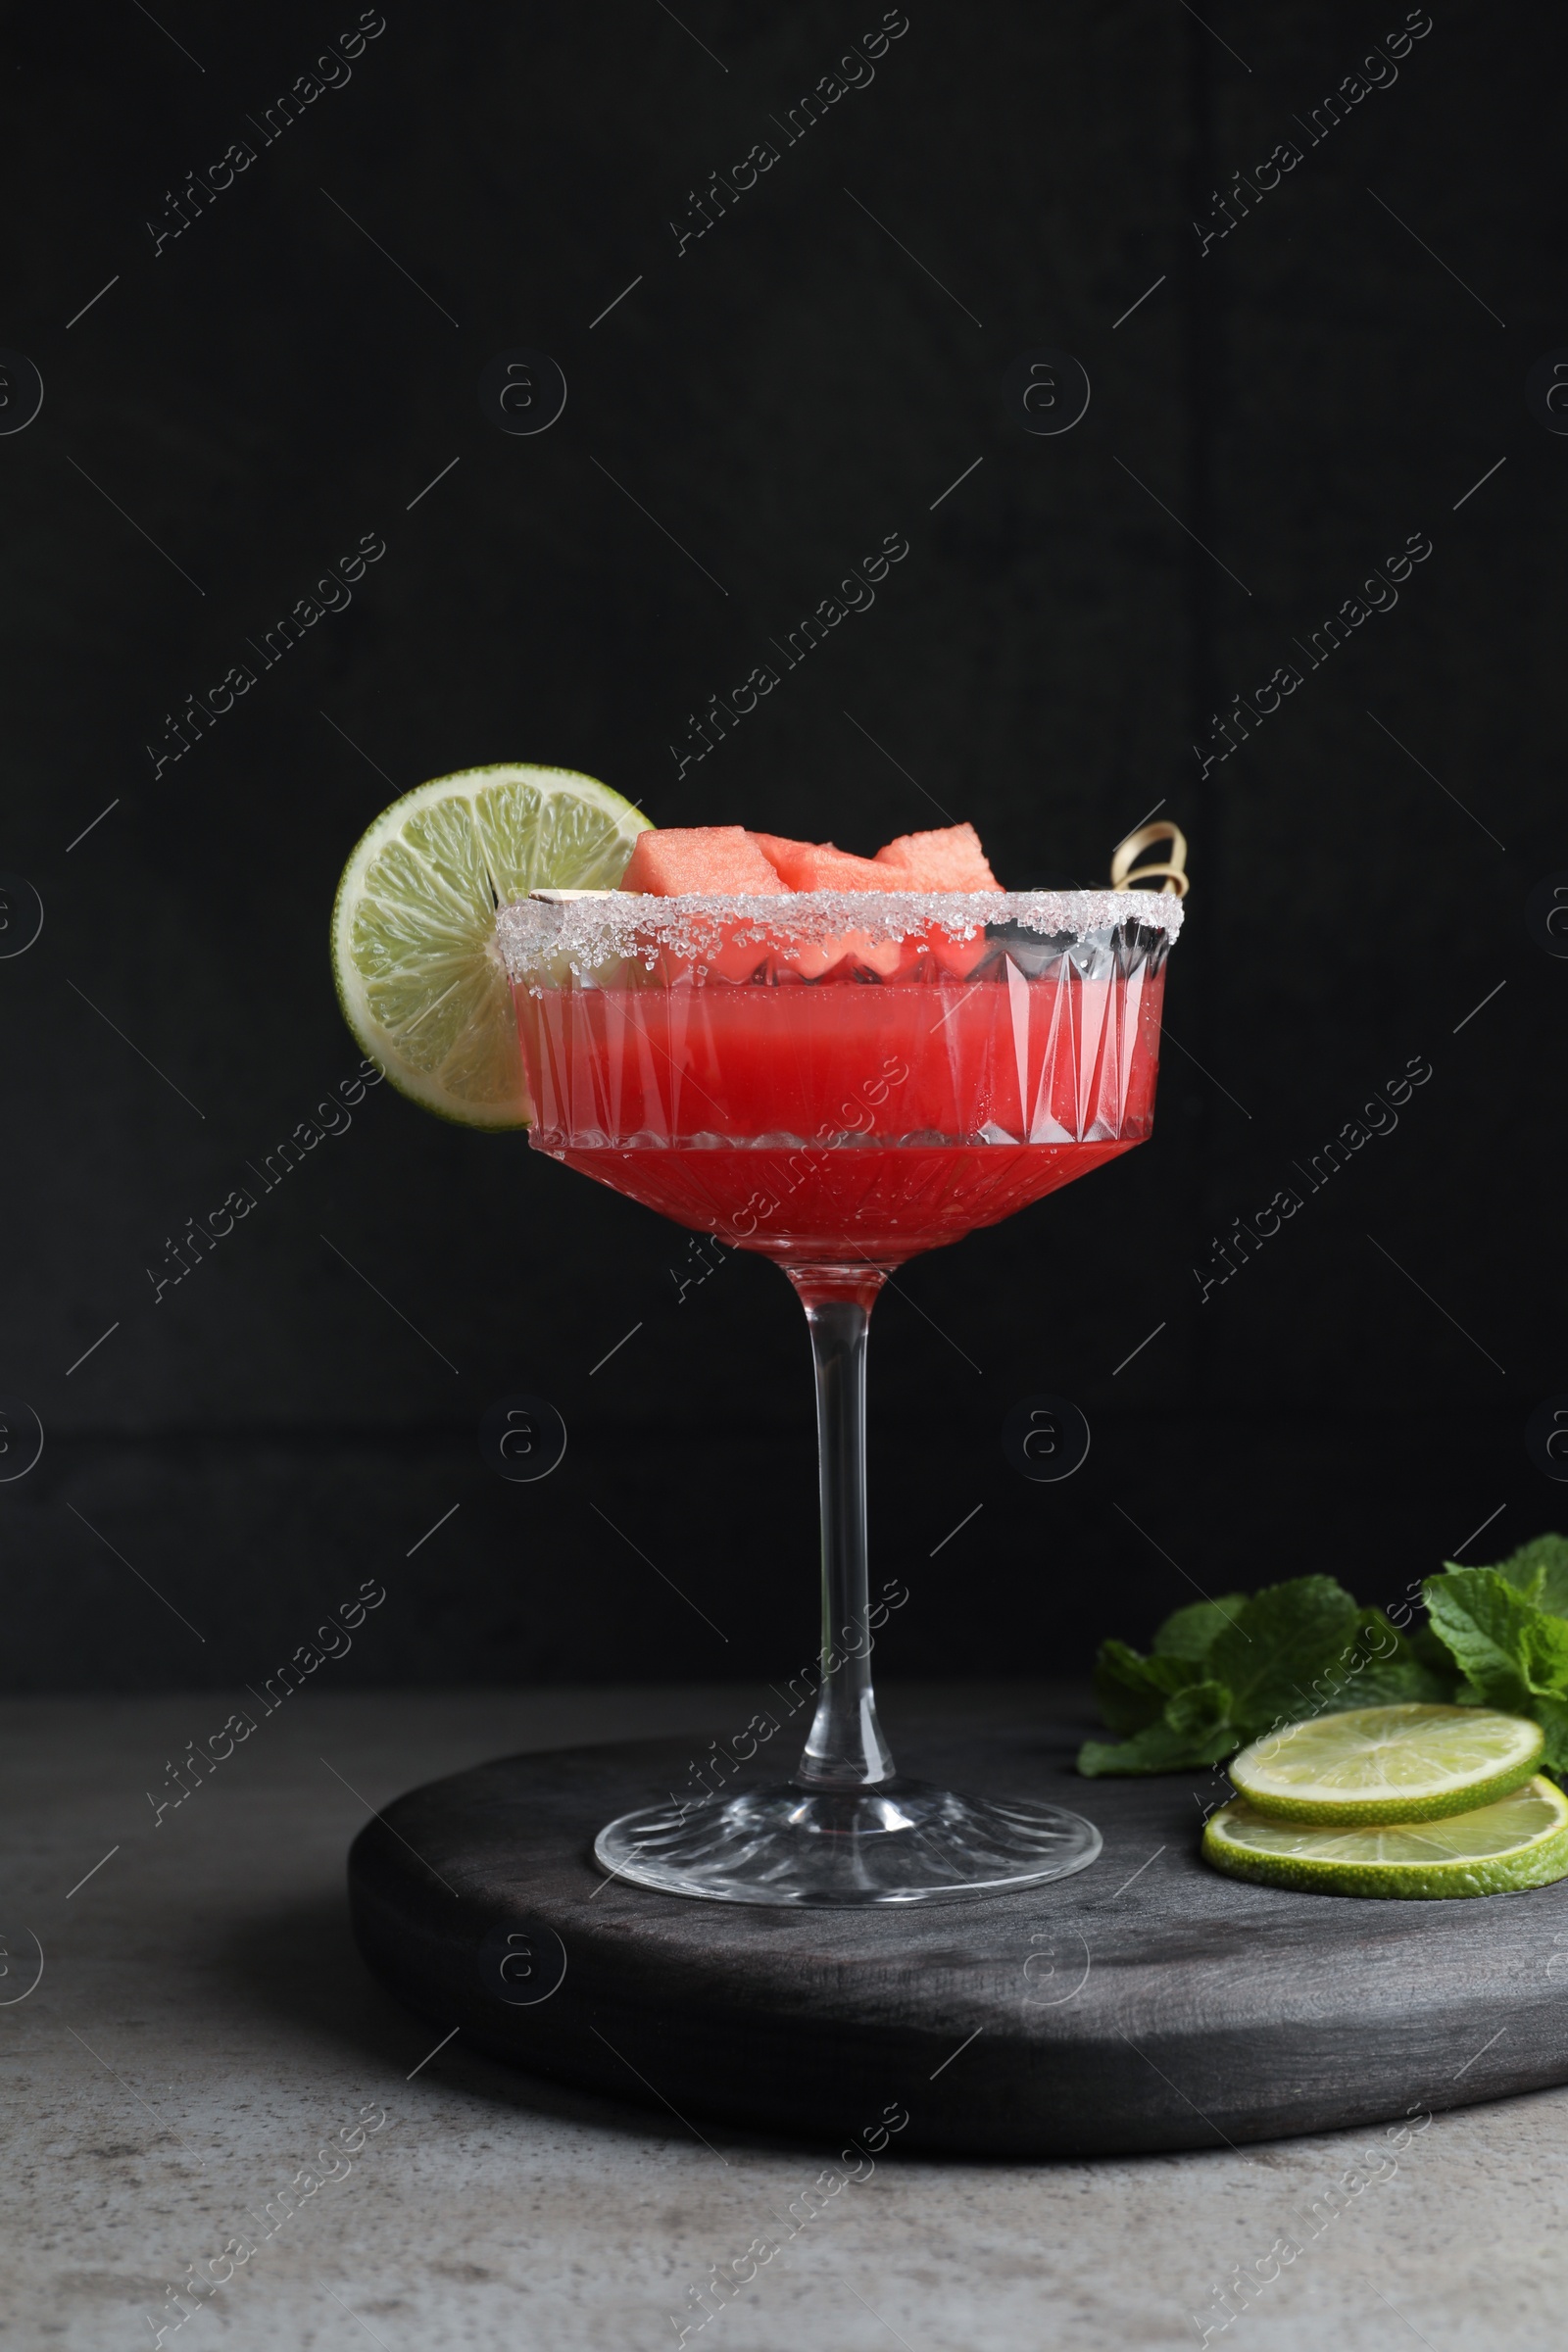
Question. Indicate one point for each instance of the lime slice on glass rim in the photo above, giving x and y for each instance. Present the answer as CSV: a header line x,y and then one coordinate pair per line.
x,y
414,953
1375,1764
1503,1849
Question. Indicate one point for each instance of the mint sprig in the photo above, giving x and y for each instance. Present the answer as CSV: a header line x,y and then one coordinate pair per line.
x,y
1506,1629
1224,1672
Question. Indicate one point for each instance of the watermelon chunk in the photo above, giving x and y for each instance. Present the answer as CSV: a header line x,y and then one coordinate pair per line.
x,y
949,859
676,861
819,865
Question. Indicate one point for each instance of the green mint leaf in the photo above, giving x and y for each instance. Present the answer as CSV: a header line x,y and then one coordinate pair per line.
x,y
1200,1711
1161,1747
1539,1570
1289,1652
1483,1621
1552,1716
1189,1632
1393,1681
1544,1655
1383,1669
1131,1691
1425,1646
1525,1576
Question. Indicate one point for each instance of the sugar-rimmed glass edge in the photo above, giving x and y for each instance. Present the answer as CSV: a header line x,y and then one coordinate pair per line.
x,y
584,934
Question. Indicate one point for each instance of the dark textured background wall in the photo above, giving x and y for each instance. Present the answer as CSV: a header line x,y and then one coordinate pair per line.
x,y
291,371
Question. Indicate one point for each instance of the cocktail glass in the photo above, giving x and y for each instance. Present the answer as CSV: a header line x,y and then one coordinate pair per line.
x,y
841,1081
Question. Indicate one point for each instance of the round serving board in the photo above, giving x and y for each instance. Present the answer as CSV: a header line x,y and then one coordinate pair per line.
x,y
1146,2003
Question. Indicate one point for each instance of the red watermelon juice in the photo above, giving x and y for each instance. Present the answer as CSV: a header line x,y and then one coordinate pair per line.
x,y
854,1118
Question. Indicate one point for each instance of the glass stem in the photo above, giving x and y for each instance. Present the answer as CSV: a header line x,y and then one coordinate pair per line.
x,y
846,1748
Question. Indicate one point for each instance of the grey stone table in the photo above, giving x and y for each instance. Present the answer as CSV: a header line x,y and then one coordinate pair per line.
x,y
204,2065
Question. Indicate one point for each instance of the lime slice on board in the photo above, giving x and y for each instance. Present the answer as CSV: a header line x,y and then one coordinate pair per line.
x,y
1376,1764
1520,1841
413,950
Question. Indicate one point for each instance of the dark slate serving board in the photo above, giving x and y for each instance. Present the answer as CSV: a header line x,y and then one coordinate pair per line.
x,y
1144,2004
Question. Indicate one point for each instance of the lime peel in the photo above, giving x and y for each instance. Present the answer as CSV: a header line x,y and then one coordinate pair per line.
x,y
1503,1848
1407,1763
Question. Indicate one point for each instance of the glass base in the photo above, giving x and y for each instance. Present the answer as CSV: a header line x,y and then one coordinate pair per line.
x,y
841,1849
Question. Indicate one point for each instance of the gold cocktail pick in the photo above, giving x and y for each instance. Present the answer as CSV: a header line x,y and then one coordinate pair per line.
x,y
1170,873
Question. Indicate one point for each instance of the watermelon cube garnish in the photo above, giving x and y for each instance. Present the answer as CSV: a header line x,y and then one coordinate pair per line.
x,y
949,859
675,861
819,865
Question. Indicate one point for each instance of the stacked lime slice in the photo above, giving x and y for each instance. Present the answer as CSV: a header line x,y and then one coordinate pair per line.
x,y
413,949
1412,1800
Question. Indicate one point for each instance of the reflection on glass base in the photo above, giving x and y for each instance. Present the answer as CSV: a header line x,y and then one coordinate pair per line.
x,y
904,1842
